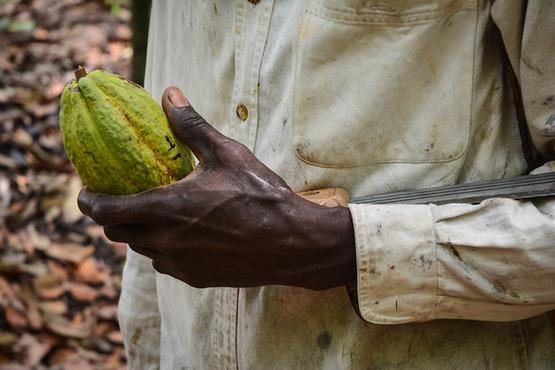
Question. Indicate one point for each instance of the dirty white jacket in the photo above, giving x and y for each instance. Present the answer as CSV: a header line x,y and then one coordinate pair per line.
x,y
372,96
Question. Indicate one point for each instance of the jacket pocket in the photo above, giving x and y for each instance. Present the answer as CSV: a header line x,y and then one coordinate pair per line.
x,y
384,82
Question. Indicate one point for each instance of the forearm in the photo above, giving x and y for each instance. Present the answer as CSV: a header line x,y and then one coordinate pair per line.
x,y
329,233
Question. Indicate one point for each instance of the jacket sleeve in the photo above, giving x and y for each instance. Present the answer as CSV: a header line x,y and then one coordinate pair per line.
x,y
138,314
493,261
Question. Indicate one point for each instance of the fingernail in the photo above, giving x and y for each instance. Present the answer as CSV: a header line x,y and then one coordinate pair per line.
x,y
177,98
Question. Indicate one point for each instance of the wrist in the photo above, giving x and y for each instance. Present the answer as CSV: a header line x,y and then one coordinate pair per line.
x,y
332,245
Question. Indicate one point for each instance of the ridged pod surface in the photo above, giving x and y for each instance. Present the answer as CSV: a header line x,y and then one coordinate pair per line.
x,y
118,138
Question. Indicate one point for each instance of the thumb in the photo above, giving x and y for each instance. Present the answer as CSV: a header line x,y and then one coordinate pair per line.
x,y
189,126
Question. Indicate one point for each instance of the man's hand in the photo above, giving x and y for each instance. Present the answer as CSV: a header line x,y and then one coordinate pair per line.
x,y
231,222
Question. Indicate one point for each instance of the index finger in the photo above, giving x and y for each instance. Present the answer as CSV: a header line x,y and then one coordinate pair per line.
x,y
117,209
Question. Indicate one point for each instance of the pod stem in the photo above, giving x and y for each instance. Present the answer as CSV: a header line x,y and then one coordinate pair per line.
x,y
80,72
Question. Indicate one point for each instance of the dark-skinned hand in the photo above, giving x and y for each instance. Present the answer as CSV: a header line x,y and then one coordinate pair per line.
x,y
232,222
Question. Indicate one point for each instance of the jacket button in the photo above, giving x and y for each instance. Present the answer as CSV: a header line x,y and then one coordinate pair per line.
x,y
242,112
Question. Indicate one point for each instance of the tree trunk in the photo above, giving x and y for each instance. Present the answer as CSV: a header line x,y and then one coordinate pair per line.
x,y
139,25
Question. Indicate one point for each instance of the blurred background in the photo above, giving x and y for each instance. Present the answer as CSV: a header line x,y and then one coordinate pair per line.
x,y
59,276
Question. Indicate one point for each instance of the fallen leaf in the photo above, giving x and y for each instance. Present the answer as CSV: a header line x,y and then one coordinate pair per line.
x,y
33,349
40,241
108,291
108,312
61,355
60,325
6,292
13,366
54,90
91,271
56,269
114,361
69,252
115,336
81,365
51,293
40,34
53,307
16,319
48,286
31,306
7,339
82,292
33,316
97,345
103,328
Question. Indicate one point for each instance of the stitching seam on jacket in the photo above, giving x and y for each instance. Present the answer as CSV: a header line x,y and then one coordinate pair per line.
x,y
390,18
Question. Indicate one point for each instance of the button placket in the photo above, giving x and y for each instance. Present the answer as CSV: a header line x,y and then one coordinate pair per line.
x,y
252,24
251,31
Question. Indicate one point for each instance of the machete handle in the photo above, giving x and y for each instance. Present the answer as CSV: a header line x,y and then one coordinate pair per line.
x,y
330,197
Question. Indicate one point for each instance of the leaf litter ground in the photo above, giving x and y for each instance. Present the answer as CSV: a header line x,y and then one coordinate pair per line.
x,y
59,275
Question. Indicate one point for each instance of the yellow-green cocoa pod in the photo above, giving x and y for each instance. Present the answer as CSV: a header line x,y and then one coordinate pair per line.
x,y
117,137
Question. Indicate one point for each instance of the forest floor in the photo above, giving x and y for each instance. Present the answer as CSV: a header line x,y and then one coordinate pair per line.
x,y
59,275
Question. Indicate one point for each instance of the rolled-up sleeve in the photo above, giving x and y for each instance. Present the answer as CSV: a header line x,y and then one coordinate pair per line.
x,y
494,261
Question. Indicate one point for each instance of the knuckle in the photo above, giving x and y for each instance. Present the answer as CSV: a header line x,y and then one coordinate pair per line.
x,y
187,119
83,202
229,149
114,233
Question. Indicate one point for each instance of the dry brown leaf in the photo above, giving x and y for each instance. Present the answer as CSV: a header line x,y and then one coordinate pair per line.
x,y
61,355
32,310
41,110
56,269
7,339
48,286
68,252
40,34
114,361
22,138
6,292
108,291
33,349
82,292
13,366
40,241
91,271
15,318
54,90
60,325
108,312
45,281
80,365
34,317
95,231
53,307
115,336
103,328
51,293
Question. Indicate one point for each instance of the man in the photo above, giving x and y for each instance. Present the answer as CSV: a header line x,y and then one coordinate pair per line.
x,y
371,96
